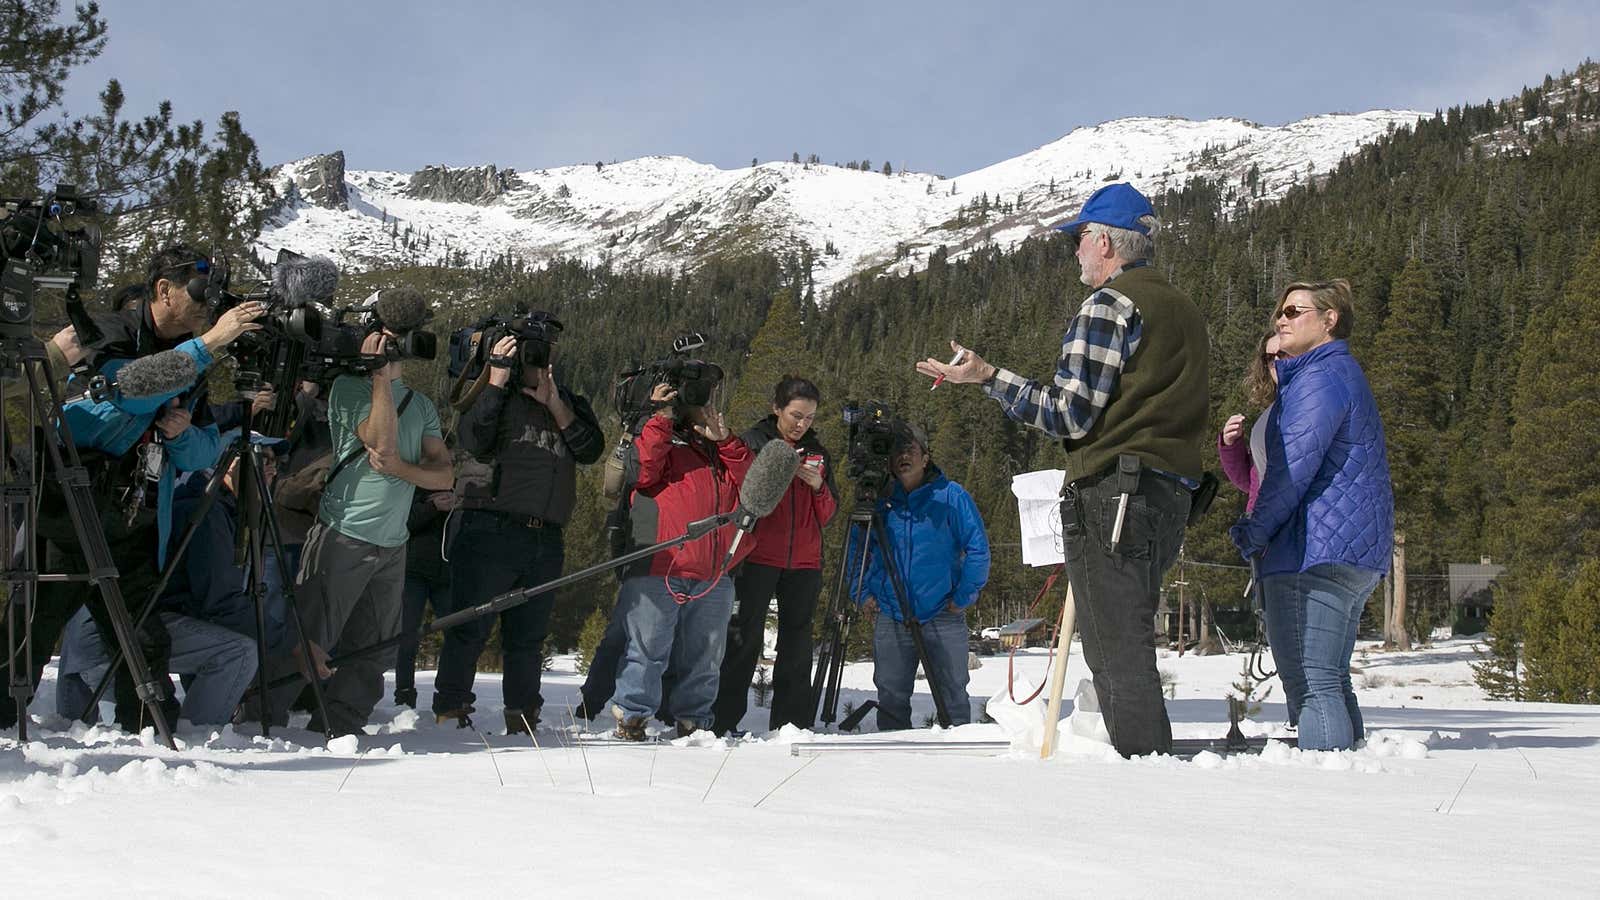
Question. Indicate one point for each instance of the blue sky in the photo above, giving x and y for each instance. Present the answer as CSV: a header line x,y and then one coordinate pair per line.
x,y
937,86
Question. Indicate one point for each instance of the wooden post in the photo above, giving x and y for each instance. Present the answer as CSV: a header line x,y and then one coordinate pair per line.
x,y
1388,611
1402,636
1058,678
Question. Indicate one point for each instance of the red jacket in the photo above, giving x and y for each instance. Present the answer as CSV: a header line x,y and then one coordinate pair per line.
x,y
791,536
686,481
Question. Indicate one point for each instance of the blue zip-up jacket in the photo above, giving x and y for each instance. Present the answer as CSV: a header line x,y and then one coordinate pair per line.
x,y
115,425
1326,497
939,547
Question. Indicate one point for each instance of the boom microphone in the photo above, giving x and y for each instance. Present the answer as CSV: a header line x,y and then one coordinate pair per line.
x,y
142,385
764,486
402,309
304,279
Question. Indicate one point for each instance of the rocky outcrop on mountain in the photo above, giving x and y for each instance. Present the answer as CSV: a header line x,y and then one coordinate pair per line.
x,y
476,184
319,180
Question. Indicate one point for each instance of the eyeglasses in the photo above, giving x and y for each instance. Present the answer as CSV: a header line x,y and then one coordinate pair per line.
x,y
1294,312
1270,358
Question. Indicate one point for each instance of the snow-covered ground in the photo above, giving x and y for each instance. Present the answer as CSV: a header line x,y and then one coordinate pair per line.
x,y
1452,794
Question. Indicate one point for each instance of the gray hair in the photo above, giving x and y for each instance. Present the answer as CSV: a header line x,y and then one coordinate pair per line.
x,y
1128,244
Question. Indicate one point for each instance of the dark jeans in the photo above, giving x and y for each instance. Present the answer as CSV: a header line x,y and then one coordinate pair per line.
x,y
490,556
797,591
421,591
1117,593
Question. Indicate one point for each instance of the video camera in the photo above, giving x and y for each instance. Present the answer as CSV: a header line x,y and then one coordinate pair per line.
x,y
536,333
874,436
400,310
695,380
48,242
297,283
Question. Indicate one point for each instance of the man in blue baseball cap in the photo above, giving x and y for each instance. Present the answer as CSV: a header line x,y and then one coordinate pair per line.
x,y
1129,403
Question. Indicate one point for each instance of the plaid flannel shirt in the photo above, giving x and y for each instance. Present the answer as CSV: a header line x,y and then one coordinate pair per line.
x,y
1101,338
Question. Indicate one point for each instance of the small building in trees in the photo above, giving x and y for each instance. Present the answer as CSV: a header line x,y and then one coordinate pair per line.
x,y
1472,594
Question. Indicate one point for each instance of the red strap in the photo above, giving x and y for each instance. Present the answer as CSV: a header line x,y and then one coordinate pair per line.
x,y
1012,661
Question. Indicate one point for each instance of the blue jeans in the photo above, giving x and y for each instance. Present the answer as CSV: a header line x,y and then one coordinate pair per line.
x,y
894,667
691,637
1311,621
221,661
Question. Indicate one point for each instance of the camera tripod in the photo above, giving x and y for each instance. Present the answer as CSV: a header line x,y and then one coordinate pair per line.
x,y
257,529
22,353
864,521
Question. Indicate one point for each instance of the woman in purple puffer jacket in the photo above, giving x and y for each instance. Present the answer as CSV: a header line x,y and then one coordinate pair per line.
x,y
1243,461
1323,523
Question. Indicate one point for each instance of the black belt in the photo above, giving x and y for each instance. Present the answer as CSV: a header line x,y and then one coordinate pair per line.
x,y
518,520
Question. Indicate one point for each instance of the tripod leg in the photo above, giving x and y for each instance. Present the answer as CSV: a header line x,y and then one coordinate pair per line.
x,y
76,491
908,614
285,578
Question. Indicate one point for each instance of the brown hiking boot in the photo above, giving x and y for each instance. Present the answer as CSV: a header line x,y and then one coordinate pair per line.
x,y
629,728
522,721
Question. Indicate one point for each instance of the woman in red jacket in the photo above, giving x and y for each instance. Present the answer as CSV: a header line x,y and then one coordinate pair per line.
x,y
786,562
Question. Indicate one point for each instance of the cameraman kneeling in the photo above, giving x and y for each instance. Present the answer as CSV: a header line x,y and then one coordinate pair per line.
x,y
942,554
690,467
535,436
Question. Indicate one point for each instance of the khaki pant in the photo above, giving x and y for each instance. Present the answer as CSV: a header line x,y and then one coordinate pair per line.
x,y
349,594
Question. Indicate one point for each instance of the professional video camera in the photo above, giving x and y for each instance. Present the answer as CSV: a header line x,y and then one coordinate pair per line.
x,y
695,380
400,310
536,332
874,436
292,327
48,242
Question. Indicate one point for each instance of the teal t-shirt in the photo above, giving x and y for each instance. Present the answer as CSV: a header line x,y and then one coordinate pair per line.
x,y
359,502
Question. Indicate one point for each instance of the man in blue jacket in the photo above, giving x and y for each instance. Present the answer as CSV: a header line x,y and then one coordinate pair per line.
x,y
132,450
942,554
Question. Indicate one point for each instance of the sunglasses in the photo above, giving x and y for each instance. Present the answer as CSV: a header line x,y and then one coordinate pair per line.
x,y
1270,358
1294,312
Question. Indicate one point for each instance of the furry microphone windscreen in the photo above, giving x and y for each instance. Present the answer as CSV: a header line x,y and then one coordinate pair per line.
x,y
402,309
304,279
156,375
769,478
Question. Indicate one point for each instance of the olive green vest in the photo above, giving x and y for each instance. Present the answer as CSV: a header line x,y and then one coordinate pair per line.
x,y
1159,408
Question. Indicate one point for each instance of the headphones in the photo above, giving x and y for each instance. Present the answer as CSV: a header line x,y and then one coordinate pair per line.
x,y
209,283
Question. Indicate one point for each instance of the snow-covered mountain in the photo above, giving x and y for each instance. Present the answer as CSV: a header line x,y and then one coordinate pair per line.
x,y
672,212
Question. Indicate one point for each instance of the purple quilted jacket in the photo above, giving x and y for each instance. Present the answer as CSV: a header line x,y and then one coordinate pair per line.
x,y
1326,497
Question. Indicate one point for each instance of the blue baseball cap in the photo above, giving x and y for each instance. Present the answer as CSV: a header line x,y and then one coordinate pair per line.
x,y
278,446
1118,205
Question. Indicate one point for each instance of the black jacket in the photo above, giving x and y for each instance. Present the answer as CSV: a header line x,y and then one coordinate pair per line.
x,y
535,463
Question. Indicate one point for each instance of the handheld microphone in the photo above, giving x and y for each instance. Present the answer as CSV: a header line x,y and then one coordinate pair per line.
x,y
764,486
304,279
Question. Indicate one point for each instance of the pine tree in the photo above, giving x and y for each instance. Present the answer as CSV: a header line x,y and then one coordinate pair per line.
x,y
1406,367
1556,506
778,349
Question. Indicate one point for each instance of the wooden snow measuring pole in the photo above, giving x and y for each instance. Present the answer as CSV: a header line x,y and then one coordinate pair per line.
x,y
1058,678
